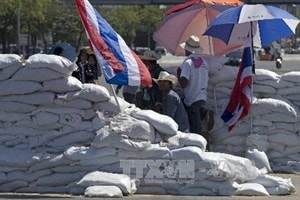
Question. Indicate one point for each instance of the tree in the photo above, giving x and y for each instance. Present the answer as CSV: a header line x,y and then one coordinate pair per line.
x,y
8,18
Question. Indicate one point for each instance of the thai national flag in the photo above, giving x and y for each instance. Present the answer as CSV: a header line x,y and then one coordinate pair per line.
x,y
120,65
240,100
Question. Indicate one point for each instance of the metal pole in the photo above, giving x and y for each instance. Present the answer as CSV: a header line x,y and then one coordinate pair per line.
x,y
253,72
115,95
18,27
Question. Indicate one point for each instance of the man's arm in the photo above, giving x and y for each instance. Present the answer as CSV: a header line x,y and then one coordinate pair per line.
x,y
182,80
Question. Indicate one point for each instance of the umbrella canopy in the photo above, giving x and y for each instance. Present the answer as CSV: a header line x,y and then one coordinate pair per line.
x,y
264,23
68,51
193,18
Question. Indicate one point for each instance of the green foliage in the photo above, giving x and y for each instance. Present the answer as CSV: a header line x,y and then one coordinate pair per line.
x,y
61,21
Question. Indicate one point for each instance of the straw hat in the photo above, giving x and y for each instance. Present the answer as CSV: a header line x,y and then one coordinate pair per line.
x,y
192,45
165,76
149,55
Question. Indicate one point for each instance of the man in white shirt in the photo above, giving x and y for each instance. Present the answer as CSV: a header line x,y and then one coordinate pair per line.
x,y
193,78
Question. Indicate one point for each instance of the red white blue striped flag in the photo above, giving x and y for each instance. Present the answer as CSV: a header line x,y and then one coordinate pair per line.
x,y
240,100
120,65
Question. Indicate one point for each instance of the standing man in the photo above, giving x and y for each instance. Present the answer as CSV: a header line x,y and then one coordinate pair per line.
x,y
193,78
150,98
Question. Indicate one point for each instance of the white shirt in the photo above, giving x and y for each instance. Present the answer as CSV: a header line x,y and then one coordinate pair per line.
x,y
197,77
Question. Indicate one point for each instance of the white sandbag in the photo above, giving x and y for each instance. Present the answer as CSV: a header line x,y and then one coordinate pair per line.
x,y
235,140
275,185
12,186
54,62
3,177
98,121
252,189
90,92
259,158
75,103
151,190
111,105
29,123
106,138
9,59
80,153
293,76
224,74
263,89
103,178
280,117
186,139
285,139
154,151
88,114
10,70
190,152
62,85
36,74
197,192
26,176
38,98
45,118
13,117
71,119
73,168
257,121
16,107
258,141
289,91
293,97
49,162
133,128
59,179
9,87
43,138
264,74
277,105
58,110
101,161
230,166
163,123
103,191
73,138
13,157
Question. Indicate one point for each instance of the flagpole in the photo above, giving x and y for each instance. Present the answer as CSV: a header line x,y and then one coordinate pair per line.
x,y
253,72
115,95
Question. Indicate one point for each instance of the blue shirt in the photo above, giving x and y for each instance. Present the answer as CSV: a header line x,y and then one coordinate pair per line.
x,y
174,108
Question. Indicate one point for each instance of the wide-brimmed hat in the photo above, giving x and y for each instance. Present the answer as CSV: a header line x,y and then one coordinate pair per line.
x,y
149,55
192,45
165,76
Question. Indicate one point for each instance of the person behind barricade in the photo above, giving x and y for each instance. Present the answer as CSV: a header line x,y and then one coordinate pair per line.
x,y
81,62
171,102
193,78
58,51
129,92
92,69
150,98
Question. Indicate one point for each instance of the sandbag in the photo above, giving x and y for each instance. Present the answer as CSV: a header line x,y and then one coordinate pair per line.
x,y
62,85
98,178
103,191
186,139
36,74
54,62
163,123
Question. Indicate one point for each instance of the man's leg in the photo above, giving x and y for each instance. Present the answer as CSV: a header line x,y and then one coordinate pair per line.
x,y
194,115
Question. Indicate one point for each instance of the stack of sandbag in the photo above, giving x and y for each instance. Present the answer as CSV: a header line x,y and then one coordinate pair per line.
x,y
60,136
274,115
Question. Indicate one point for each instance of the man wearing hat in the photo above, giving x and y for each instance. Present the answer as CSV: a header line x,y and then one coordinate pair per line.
x,y
150,98
193,78
171,102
